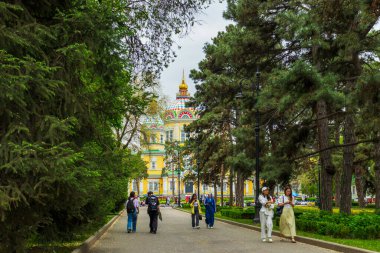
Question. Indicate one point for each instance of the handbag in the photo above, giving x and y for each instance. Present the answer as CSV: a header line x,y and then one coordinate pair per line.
x,y
279,209
200,217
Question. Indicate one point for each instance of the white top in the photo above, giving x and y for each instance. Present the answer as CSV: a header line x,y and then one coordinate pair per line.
x,y
284,199
267,210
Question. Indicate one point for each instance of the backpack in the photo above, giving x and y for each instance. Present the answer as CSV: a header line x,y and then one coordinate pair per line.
x,y
153,203
130,206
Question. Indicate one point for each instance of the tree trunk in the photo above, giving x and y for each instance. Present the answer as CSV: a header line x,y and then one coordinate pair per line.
x,y
337,180
231,202
215,193
348,166
359,185
239,191
327,168
338,173
377,175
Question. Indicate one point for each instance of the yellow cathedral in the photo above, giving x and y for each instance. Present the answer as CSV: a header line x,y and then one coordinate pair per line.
x,y
170,128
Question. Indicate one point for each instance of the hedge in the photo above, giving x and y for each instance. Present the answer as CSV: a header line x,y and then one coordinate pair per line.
x,y
363,226
238,213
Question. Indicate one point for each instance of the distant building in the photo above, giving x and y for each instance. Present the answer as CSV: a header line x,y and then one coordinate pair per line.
x,y
170,128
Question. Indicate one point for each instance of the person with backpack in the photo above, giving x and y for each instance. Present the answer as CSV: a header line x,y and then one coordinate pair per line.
x,y
210,210
195,211
153,211
266,215
287,219
132,206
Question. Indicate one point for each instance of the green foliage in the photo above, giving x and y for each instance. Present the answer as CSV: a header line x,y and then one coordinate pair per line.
x,y
319,65
238,213
65,84
363,226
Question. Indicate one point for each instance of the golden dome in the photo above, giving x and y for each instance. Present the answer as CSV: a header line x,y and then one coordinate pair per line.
x,y
183,86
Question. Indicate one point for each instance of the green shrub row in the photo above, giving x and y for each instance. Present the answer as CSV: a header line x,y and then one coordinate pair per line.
x,y
363,226
238,213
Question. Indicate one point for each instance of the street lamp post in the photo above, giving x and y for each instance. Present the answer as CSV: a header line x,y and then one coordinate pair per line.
x,y
231,202
257,135
198,176
173,180
179,180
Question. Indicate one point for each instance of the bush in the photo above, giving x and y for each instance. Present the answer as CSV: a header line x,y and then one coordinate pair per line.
x,y
363,226
238,213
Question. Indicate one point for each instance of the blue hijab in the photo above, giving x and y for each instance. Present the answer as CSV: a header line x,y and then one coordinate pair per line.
x,y
210,202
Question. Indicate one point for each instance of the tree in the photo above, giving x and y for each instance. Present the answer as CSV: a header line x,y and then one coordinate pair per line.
x,y
311,57
66,78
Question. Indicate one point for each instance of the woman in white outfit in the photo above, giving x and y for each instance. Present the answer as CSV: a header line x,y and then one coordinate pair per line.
x,y
266,215
287,220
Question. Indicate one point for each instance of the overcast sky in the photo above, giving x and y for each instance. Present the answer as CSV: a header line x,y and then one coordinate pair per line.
x,y
191,52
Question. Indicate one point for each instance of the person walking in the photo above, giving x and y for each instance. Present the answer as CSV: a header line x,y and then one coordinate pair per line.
x,y
132,206
153,210
266,215
168,201
287,219
210,210
195,211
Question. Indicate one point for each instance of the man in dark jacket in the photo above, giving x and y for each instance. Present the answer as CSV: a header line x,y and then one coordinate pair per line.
x,y
153,209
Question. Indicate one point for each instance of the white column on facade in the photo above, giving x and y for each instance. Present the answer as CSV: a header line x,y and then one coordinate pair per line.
x,y
246,187
141,187
165,185
179,133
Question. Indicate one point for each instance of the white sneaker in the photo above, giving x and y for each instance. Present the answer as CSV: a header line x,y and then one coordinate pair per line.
x,y
211,227
270,240
263,240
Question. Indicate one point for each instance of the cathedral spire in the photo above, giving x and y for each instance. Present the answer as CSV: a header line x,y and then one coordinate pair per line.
x,y
183,85
183,88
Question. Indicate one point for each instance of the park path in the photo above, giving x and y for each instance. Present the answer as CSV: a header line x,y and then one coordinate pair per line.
x,y
175,235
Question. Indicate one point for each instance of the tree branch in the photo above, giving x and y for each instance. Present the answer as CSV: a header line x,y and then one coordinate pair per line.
x,y
334,147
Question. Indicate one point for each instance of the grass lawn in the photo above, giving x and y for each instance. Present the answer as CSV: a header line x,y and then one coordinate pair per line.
x,y
68,246
364,244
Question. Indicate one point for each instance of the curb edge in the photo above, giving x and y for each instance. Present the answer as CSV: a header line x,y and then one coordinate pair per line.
x,y
86,245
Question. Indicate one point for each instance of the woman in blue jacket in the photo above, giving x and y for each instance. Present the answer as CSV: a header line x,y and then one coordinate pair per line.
x,y
210,211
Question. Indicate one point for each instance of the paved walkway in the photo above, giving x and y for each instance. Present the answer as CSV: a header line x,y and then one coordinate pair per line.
x,y
175,235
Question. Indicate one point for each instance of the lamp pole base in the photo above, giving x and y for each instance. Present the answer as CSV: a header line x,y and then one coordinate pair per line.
x,y
257,215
